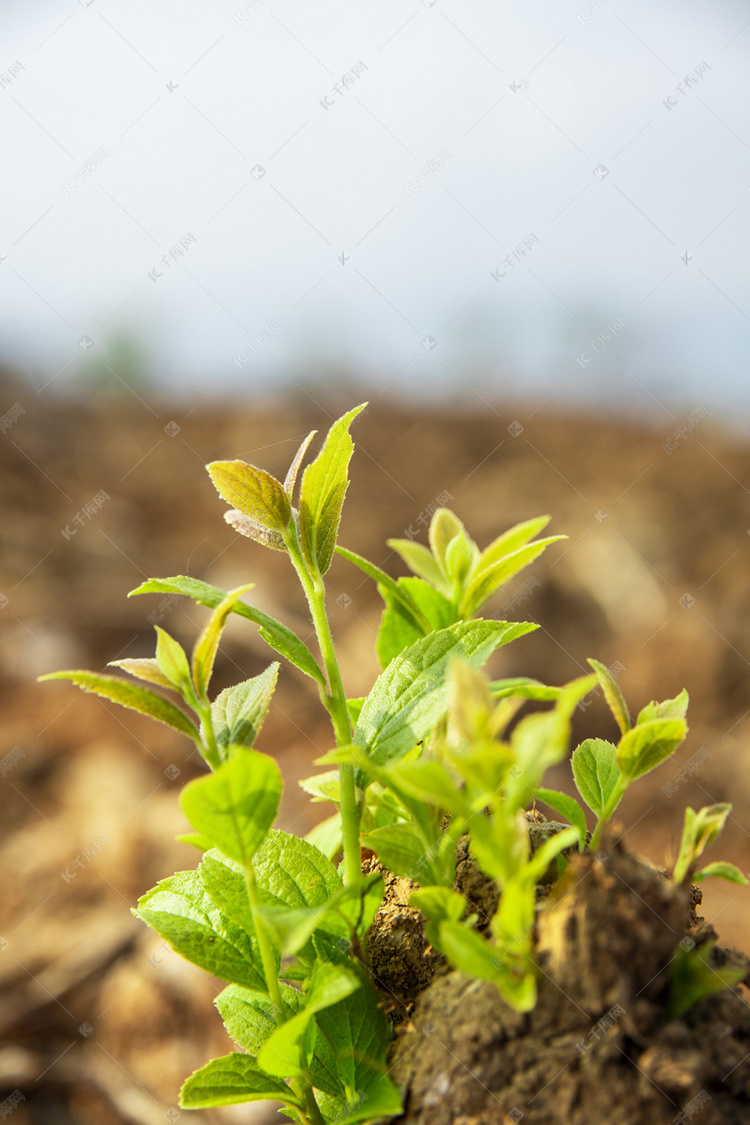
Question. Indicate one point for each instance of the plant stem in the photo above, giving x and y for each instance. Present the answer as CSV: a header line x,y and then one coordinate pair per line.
x,y
350,812
311,1106
314,588
266,948
614,799
301,1086
210,747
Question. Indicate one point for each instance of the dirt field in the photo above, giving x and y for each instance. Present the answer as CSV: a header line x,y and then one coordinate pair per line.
x,y
99,1022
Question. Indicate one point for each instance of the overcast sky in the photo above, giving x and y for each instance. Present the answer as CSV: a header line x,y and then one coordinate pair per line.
x,y
435,194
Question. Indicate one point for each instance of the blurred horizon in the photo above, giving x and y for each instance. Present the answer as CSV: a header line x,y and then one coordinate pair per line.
x,y
452,204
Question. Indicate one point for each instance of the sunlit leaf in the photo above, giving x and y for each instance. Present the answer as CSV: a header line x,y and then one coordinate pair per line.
x,y
614,696
129,695
236,805
595,772
324,485
231,1080
278,636
204,652
411,695
252,491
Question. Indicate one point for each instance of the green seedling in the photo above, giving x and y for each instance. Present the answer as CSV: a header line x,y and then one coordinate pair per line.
x,y
603,771
701,829
695,977
432,753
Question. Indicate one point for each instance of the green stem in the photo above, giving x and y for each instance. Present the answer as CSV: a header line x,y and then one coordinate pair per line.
x,y
335,703
210,748
311,1106
301,1086
266,948
614,799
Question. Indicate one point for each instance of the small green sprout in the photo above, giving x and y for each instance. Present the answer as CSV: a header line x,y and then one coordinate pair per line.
x,y
695,976
603,771
701,829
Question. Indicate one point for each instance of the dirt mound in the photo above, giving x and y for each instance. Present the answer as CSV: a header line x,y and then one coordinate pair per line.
x,y
598,1046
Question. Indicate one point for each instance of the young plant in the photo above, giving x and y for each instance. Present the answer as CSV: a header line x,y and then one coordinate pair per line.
x,y
265,911
603,771
701,829
432,753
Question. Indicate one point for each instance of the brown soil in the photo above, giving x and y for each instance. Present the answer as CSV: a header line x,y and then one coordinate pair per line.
x,y
99,1023
597,1046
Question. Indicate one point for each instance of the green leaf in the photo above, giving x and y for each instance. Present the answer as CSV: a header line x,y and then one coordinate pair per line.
x,y
595,772
437,609
410,610
230,1080
461,556
485,581
278,636
397,630
194,839
700,829
358,1034
171,658
282,1053
354,706
511,541
445,526
323,786
250,1020
327,836
439,904
143,668
694,978
709,824
181,911
391,783
647,745
324,485
556,843
422,562
204,652
722,870
468,951
249,1016
429,781
238,712
411,695
291,872
291,477
538,741
128,695
566,806
401,850
395,633
254,492
525,688
670,709
235,807
349,911
614,696
224,883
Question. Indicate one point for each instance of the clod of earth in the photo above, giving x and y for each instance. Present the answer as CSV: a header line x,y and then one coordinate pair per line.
x,y
597,1046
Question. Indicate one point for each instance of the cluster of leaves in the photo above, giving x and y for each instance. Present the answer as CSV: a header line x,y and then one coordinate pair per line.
x,y
432,753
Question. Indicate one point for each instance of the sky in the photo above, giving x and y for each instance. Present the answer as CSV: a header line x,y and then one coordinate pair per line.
x,y
445,199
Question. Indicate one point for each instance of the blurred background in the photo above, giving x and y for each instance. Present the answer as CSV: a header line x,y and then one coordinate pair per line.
x,y
514,230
